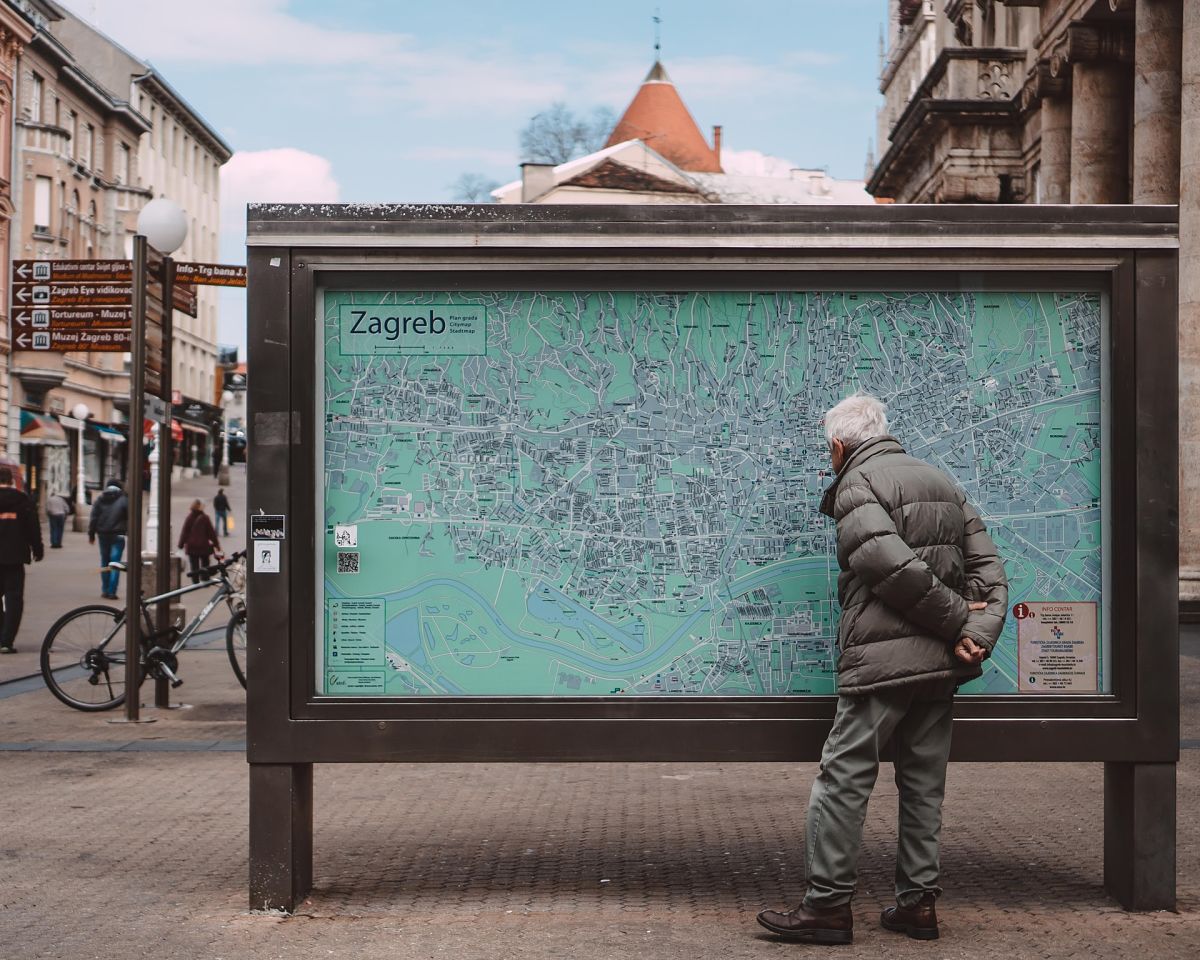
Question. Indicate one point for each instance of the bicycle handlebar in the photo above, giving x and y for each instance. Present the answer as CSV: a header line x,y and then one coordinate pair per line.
x,y
222,566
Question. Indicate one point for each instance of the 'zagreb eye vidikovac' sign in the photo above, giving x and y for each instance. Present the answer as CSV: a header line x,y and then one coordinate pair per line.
x,y
615,493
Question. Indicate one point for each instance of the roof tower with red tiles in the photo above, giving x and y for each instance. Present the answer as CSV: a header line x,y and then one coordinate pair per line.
x,y
658,117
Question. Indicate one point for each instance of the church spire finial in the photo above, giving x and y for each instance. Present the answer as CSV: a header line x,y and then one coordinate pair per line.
x,y
657,34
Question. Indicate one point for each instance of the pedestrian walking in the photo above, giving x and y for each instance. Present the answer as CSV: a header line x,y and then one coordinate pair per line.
x,y
923,597
198,540
20,537
107,523
58,508
221,509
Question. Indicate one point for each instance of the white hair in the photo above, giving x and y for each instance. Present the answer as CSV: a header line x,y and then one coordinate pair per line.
x,y
856,419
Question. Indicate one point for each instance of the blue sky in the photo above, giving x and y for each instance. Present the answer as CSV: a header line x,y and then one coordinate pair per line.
x,y
364,100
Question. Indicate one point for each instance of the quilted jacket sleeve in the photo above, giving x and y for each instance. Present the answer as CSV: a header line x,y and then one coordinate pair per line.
x,y
985,581
870,545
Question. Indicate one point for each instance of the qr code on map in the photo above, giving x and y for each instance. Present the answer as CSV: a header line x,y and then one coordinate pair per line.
x,y
347,563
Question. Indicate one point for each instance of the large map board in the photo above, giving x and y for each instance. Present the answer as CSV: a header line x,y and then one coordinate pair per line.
x,y
615,493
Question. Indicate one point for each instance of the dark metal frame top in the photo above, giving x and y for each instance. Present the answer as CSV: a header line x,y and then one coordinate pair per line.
x,y
1130,253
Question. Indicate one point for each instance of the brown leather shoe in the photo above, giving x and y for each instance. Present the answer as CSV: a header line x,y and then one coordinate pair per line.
x,y
812,924
918,921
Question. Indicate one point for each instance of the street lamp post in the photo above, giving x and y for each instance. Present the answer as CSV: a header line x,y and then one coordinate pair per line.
x,y
163,225
223,473
80,412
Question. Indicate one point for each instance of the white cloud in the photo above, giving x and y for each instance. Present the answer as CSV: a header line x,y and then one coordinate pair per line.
x,y
285,175
231,31
752,163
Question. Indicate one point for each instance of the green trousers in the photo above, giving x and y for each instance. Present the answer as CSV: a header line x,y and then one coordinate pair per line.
x,y
918,719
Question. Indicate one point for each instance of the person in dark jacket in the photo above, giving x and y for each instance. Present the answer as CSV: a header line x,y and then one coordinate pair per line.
x,y
107,523
198,540
221,509
20,537
923,597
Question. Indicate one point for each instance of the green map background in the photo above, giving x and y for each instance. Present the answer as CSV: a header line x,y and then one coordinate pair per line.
x,y
620,497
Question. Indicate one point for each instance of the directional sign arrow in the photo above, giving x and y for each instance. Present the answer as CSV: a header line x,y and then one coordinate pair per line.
x,y
72,271
103,293
22,340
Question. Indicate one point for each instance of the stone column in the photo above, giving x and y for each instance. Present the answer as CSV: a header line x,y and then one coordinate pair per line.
x,y
1158,54
1055,158
1099,132
1189,308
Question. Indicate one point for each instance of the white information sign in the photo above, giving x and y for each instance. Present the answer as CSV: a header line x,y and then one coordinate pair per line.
x,y
1057,647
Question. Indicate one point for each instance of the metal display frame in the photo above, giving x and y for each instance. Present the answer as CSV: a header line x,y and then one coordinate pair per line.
x,y
1128,253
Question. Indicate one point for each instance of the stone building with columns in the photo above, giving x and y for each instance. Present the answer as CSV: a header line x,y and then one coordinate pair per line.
x,y
1056,101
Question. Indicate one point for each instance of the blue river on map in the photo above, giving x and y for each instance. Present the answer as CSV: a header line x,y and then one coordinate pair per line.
x,y
650,658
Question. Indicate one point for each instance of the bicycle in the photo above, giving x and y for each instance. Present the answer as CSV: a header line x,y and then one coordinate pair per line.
x,y
83,655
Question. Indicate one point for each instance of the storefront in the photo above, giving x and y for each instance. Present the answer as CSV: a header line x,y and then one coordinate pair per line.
x,y
199,424
103,453
45,455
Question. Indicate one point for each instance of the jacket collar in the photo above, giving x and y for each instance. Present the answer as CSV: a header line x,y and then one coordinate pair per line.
x,y
865,451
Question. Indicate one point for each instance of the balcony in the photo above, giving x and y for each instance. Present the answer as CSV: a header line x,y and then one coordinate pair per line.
x,y
965,109
966,73
45,138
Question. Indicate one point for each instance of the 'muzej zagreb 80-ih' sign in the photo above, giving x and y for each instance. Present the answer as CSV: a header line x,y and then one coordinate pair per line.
x,y
603,493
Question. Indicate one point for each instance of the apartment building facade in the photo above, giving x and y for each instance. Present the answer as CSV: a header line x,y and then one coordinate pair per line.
x,y
180,158
98,133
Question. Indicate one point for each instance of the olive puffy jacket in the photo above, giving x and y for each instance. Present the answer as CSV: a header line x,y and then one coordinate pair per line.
x,y
912,553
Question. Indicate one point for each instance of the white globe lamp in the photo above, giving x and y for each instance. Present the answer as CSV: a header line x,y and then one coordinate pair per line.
x,y
164,224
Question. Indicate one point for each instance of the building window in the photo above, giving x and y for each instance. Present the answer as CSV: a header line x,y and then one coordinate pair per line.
x,y
123,163
37,89
41,205
87,140
91,230
72,124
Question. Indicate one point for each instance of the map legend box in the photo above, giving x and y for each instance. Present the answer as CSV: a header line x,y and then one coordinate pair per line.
x,y
354,645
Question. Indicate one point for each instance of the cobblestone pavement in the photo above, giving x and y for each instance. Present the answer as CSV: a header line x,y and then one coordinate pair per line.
x,y
124,841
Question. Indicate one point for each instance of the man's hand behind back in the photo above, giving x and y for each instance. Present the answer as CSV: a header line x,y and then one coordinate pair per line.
x,y
967,650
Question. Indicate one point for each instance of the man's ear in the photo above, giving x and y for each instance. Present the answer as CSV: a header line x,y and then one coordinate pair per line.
x,y
838,453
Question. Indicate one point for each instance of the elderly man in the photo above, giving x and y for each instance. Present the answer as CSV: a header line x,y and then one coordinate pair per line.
x,y
923,597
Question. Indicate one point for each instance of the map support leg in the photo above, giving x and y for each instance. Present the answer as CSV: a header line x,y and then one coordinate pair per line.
x,y
281,829
1139,834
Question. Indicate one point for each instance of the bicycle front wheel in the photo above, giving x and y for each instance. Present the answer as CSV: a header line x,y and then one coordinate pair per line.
x,y
235,644
83,658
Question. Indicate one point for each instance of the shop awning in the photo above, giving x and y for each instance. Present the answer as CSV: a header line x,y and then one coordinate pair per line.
x,y
108,434
176,429
192,428
37,428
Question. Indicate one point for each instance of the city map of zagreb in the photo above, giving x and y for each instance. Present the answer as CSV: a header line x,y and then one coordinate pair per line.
x,y
615,494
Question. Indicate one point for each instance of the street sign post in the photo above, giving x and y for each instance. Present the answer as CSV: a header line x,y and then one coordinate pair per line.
x,y
72,271
62,306
137,457
211,274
